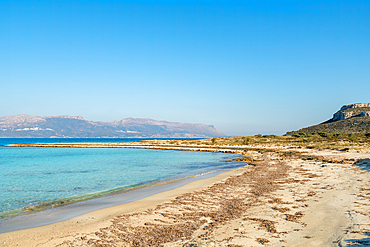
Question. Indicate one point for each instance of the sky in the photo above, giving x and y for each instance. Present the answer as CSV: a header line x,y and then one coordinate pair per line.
x,y
246,67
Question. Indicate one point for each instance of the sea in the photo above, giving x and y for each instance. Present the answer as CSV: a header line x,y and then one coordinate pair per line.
x,y
37,178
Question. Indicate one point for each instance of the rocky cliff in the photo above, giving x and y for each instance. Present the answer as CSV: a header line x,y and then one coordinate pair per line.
x,y
78,127
352,110
352,118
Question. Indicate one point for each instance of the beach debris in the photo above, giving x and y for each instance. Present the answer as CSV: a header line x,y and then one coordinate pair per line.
x,y
179,220
294,217
268,225
281,209
311,193
262,241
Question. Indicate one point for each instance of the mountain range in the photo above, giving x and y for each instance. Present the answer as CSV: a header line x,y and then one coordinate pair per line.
x,y
77,127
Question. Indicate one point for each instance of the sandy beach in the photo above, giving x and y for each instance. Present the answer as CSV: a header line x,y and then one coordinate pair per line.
x,y
310,198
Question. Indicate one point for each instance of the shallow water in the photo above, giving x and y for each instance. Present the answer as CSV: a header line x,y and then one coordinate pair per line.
x,y
357,242
40,177
57,214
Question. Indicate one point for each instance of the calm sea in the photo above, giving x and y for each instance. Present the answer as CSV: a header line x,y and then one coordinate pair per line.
x,y
40,177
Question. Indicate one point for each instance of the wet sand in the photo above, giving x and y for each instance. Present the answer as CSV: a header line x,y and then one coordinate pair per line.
x,y
66,212
292,201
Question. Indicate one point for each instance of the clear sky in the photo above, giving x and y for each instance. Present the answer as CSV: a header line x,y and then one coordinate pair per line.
x,y
247,67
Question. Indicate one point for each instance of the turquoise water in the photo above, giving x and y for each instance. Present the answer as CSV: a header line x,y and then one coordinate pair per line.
x,y
32,177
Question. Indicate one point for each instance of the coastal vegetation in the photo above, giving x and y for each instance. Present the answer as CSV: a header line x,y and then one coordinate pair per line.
x,y
353,118
347,126
240,144
318,140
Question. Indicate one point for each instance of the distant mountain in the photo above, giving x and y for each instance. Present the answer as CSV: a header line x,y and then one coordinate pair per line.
x,y
352,118
78,127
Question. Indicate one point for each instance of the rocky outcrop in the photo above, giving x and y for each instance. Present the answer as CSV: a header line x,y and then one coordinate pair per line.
x,y
352,118
341,115
356,105
351,110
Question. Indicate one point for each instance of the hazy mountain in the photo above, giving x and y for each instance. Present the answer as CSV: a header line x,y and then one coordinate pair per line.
x,y
76,126
352,118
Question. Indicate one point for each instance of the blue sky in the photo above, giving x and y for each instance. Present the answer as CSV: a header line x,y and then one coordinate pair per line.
x,y
247,67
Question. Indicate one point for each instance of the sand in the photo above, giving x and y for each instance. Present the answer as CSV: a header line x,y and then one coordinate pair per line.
x,y
273,202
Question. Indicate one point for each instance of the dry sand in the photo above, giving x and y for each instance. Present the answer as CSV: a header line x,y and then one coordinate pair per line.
x,y
274,202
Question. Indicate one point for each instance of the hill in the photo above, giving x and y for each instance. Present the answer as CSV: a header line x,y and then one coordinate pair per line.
x,y
353,118
78,127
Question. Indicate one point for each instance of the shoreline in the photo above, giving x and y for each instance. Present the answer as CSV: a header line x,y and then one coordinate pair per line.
x,y
228,149
286,196
41,205
98,218
54,214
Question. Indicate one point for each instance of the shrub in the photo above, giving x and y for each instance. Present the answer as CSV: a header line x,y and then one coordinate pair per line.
x,y
269,136
323,134
301,134
246,141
